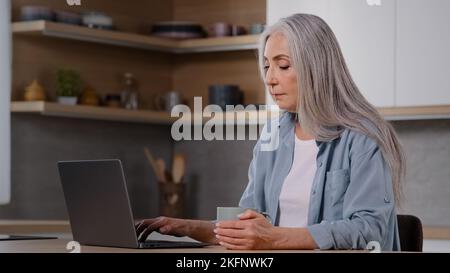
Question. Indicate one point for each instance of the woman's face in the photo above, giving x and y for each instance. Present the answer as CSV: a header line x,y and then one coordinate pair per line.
x,y
281,78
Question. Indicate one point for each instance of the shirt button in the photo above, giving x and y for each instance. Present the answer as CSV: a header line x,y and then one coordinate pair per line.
x,y
320,164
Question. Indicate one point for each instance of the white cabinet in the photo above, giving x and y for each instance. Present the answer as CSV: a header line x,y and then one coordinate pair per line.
x,y
423,52
366,35
277,9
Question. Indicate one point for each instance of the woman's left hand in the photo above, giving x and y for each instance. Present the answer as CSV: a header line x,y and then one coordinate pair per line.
x,y
251,231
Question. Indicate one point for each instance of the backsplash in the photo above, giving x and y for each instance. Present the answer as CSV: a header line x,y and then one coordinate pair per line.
x,y
216,172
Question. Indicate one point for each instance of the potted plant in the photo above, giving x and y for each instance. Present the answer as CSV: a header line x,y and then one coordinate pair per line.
x,y
68,86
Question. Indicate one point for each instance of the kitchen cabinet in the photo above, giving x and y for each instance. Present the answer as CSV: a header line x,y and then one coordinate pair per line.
x,y
423,55
366,35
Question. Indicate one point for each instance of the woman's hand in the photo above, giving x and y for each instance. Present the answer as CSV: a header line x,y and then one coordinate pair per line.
x,y
196,229
251,231
163,225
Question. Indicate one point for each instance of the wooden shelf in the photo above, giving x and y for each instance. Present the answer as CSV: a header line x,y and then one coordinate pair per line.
x,y
133,40
114,114
416,112
91,112
236,117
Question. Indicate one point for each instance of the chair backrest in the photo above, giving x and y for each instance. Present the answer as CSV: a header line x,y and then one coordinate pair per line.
x,y
410,231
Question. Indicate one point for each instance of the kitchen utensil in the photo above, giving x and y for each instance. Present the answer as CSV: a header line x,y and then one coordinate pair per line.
x,y
229,213
257,28
167,101
31,13
100,20
177,30
161,165
225,94
178,168
67,17
152,162
238,30
220,29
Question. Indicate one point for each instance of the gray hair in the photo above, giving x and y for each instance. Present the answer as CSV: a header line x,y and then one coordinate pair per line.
x,y
329,101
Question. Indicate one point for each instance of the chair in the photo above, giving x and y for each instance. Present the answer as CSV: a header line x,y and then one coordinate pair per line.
x,y
410,232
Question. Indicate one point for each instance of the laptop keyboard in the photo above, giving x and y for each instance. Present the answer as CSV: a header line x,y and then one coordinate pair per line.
x,y
170,244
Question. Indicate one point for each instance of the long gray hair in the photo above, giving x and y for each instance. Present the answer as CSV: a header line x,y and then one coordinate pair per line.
x,y
329,101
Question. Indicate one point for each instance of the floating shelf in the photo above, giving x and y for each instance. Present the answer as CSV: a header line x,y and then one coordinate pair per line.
x,y
142,116
416,112
133,40
234,117
90,112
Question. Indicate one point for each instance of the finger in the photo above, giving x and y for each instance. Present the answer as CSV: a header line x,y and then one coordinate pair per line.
x,y
230,232
149,226
145,234
143,225
233,247
250,214
232,241
237,224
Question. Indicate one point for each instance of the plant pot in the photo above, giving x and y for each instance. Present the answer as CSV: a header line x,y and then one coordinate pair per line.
x,y
68,100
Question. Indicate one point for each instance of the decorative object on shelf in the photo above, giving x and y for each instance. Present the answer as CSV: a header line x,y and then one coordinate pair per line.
x,y
112,100
257,28
177,30
67,17
167,101
219,29
89,97
98,20
225,94
31,13
237,30
68,86
129,93
34,92
118,38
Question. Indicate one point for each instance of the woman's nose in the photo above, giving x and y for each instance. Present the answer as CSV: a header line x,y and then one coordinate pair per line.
x,y
270,79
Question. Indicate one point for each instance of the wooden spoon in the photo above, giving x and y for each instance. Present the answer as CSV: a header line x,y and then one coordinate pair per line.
x,y
162,169
178,168
151,161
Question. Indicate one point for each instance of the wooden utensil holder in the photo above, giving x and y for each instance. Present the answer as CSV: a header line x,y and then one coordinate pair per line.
x,y
171,199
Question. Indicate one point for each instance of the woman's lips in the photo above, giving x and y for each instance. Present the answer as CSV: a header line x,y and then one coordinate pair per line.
x,y
277,96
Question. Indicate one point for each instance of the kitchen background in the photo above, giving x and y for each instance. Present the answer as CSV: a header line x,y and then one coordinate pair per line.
x,y
216,171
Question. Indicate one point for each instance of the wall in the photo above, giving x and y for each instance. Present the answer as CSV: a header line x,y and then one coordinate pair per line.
x,y
101,67
39,142
216,173
427,144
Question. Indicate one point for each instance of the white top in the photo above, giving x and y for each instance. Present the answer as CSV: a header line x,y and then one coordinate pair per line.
x,y
296,190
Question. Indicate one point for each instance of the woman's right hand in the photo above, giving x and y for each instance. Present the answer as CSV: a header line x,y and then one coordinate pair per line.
x,y
163,225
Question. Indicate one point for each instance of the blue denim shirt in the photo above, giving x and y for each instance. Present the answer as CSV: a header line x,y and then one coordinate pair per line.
x,y
351,201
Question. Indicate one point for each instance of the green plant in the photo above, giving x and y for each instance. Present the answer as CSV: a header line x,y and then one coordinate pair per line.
x,y
68,83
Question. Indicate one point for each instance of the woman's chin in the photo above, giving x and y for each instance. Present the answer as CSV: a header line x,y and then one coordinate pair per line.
x,y
285,107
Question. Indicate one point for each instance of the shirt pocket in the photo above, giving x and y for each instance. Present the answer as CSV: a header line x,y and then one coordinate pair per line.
x,y
336,185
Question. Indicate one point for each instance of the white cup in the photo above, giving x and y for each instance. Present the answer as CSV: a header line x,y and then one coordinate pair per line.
x,y
229,213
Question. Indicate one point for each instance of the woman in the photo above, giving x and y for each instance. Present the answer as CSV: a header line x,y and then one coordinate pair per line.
x,y
336,176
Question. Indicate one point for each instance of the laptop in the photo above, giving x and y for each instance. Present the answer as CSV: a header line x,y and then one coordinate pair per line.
x,y
99,207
